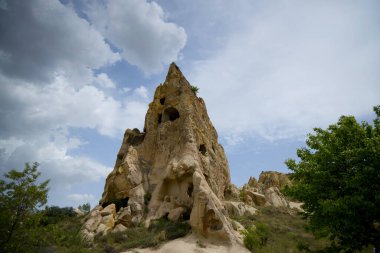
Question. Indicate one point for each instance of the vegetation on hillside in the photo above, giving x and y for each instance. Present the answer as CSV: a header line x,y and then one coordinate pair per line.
x,y
20,196
25,227
338,180
275,230
140,237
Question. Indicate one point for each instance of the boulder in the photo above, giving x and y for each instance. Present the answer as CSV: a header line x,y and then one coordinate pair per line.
x,y
236,209
273,178
102,229
108,220
257,198
119,228
109,210
93,222
124,217
275,197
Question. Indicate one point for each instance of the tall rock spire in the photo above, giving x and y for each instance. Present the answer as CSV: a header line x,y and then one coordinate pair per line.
x,y
175,168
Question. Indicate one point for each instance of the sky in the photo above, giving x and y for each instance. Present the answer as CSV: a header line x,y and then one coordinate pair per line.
x,y
74,74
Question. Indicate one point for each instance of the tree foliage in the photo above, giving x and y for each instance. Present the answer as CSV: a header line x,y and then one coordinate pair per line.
x,y
338,180
195,89
20,196
85,207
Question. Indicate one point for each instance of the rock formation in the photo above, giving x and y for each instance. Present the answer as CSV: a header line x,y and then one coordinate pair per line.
x,y
175,169
266,191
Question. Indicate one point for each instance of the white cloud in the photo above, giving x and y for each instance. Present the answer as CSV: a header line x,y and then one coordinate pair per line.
x,y
48,88
142,92
50,40
35,127
81,198
291,67
140,30
125,89
104,81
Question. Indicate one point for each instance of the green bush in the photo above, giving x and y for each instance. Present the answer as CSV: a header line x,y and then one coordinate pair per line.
x,y
55,214
195,89
255,237
278,230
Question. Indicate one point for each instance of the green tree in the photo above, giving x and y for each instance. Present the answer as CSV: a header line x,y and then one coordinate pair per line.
x,y
338,180
85,207
20,196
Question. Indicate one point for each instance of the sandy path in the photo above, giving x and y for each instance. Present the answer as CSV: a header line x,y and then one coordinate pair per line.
x,y
193,244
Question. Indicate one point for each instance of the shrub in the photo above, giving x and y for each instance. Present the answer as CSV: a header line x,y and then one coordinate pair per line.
x,y
195,89
255,237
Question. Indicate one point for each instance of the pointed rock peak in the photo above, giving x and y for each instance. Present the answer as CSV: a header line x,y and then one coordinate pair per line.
x,y
174,72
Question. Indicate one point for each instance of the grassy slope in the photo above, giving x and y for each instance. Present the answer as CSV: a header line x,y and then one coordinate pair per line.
x,y
282,231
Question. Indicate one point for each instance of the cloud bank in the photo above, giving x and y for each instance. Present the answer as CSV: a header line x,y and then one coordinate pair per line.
x,y
286,70
50,83
140,30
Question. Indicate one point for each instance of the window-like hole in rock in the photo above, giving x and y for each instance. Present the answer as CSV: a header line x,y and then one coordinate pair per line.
x,y
202,149
186,215
118,203
162,101
190,189
159,118
170,114
121,203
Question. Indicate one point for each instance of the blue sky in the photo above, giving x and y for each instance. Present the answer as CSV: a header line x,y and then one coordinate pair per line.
x,y
75,74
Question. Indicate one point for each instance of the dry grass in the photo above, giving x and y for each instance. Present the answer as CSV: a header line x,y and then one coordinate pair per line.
x,y
280,230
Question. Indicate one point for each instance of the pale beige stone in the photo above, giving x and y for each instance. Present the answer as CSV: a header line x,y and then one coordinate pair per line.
x,y
109,210
93,222
275,197
175,213
236,209
273,178
257,198
102,229
174,167
124,217
296,205
108,221
119,228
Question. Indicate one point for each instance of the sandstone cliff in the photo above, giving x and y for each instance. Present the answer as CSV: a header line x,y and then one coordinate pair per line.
x,y
175,168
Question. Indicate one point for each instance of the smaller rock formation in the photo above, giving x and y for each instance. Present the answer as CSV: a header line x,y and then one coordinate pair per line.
x,y
266,191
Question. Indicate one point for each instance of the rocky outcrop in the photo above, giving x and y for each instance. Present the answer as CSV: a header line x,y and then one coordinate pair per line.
x,y
269,179
175,168
266,191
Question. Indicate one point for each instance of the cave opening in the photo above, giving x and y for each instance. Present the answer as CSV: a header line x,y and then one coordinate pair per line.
x,y
159,118
118,203
162,101
202,149
190,189
186,215
171,114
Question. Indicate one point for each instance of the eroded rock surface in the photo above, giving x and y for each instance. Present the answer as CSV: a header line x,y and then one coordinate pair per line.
x,y
175,168
266,191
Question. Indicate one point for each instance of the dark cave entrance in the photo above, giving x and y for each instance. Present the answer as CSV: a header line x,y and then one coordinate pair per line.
x,y
202,149
171,114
